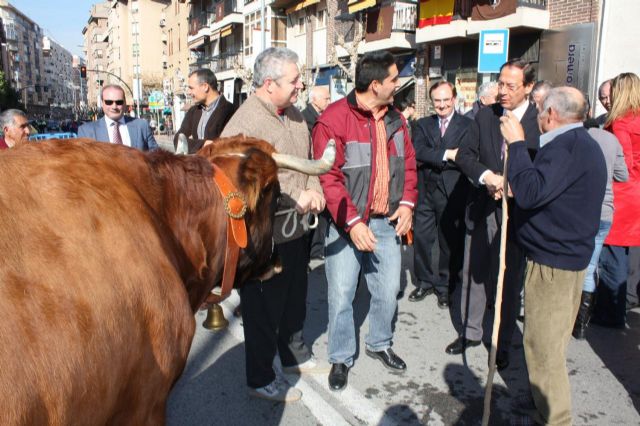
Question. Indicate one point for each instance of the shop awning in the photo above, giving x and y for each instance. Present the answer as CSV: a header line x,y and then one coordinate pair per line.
x,y
301,6
358,5
226,31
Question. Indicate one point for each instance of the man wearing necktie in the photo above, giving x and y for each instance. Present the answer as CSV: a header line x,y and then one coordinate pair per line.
x,y
481,160
117,128
442,194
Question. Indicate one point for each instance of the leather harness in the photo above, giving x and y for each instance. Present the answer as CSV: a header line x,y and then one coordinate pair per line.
x,y
235,206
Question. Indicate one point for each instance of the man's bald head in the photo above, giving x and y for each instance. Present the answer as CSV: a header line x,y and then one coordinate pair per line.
x,y
319,97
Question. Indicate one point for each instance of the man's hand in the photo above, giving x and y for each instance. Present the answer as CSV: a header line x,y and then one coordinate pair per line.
x,y
493,182
362,237
497,195
403,216
450,154
310,201
207,142
511,128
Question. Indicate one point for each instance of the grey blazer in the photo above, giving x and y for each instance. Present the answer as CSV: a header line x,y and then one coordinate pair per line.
x,y
139,132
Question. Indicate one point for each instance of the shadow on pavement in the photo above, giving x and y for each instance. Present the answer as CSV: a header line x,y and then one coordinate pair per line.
x,y
619,351
217,394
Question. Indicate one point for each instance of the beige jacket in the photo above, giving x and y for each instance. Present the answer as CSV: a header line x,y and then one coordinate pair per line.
x,y
259,119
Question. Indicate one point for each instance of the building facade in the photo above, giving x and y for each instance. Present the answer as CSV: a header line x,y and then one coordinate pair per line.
x,y
96,35
24,57
174,29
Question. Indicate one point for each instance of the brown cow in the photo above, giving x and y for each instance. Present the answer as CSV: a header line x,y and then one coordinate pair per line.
x,y
98,244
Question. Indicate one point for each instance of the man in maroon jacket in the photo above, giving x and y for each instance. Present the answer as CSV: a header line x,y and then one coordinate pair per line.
x,y
370,194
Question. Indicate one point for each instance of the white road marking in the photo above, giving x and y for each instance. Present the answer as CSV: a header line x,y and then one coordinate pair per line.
x,y
352,400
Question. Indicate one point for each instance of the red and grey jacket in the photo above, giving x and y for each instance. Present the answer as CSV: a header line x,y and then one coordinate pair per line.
x,y
348,186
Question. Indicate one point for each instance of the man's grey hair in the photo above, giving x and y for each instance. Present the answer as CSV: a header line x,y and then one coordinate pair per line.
x,y
567,102
486,88
7,117
270,62
314,92
541,86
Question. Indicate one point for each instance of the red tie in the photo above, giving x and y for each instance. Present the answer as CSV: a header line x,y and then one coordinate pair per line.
x,y
443,126
116,133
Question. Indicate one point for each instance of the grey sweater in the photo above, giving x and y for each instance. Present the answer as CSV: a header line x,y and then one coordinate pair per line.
x,y
616,167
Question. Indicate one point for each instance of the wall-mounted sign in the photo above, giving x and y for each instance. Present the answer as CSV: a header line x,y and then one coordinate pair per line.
x,y
493,50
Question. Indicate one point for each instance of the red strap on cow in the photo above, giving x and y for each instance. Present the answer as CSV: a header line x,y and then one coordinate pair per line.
x,y
235,206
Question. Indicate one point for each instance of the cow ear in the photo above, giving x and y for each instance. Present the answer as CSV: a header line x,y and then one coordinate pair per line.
x,y
257,173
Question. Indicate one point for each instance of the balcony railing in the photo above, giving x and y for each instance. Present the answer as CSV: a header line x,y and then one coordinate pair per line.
x,y
542,4
198,22
226,8
218,63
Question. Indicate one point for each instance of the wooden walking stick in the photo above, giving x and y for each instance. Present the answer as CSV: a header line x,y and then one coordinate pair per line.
x,y
486,413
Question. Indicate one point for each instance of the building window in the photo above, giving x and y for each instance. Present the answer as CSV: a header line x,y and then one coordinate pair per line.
x,y
135,28
300,26
251,24
279,31
321,18
135,49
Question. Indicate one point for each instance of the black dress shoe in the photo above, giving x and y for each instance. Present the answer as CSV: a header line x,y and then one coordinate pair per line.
x,y
338,377
420,293
502,360
443,300
460,345
389,359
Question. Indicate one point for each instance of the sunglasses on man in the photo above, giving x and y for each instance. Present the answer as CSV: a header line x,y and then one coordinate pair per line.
x,y
110,102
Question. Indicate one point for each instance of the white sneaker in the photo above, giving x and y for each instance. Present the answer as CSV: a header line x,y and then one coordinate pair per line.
x,y
277,390
311,366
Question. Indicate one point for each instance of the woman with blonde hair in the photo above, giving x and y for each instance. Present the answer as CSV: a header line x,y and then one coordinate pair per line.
x,y
624,122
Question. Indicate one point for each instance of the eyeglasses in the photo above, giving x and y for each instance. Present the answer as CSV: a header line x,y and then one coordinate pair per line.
x,y
110,102
510,87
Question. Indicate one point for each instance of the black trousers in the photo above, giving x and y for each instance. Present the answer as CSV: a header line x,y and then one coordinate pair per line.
x,y
480,278
441,218
273,313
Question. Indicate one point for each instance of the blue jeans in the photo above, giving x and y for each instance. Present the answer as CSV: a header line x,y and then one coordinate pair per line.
x,y
381,269
591,275
610,307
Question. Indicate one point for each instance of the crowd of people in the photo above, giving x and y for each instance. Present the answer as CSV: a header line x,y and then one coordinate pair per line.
x,y
571,190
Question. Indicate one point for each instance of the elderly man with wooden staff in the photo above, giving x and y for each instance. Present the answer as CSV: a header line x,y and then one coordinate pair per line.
x,y
558,197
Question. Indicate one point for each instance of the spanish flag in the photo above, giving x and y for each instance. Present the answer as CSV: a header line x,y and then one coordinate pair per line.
x,y
435,12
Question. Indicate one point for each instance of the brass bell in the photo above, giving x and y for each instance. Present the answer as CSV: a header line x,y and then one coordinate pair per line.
x,y
215,318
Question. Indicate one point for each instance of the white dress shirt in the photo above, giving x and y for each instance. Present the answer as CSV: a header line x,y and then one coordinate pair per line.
x,y
124,132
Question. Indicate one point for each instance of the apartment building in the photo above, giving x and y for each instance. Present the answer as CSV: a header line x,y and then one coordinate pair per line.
x,y
174,26
61,94
4,53
96,36
135,57
24,58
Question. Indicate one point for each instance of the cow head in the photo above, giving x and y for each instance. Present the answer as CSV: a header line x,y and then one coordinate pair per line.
x,y
252,165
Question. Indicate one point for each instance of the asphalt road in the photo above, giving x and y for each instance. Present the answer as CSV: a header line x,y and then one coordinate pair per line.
x,y
436,389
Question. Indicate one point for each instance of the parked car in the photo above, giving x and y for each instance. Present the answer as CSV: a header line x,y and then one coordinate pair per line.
x,y
44,136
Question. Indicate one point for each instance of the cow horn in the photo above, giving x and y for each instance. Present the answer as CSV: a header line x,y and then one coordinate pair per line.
x,y
309,167
183,146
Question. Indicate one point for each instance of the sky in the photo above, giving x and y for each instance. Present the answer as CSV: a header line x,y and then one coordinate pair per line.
x,y
62,20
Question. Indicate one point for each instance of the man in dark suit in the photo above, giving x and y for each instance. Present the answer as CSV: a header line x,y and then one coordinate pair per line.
x,y
117,128
205,120
442,195
319,100
481,160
